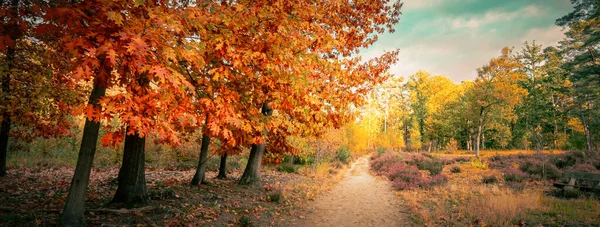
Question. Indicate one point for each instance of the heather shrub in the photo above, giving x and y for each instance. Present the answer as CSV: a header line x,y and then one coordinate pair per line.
x,y
540,169
404,176
381,163
427,155
490,179
418,160
462,159
427,162
455,169
433,181
411,178
404,185
583,167
515,186
512,174
499,162
447,161
568,159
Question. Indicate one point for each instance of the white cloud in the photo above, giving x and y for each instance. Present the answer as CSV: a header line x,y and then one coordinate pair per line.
x,y
420,4
545,36
493,16
442,46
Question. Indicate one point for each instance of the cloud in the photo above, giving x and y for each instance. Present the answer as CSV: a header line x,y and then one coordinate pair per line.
x,y
455,42
493,16
546,36
420,4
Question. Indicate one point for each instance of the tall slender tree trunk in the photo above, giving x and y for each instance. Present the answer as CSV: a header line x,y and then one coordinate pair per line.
x,y
223,167
5,128
74,206
482,141
132,176
252,172
588,134
477,142
407,136
469,143
479,131
199,177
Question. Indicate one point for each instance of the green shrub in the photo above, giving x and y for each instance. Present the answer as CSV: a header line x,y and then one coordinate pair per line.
x,y
274,196
540,169
455,169
433,166
245,221
381,150
304,160
287,167
568,159
491,179
571,194
163,194
343,155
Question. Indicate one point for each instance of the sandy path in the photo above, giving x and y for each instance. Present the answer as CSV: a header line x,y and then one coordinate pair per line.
x,y
359,200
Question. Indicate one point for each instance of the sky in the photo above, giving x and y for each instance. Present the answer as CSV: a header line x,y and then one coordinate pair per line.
x,y
455,37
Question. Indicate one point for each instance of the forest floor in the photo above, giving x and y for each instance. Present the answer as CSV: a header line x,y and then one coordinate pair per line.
x,y
359,200
35,197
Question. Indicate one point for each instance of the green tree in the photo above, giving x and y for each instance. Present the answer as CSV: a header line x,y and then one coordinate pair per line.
x,y
581,50
496,91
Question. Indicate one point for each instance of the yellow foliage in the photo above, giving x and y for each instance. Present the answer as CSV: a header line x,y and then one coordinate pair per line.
x,y
576,125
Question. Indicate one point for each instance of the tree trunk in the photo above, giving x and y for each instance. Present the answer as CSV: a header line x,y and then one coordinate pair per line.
x,y
588,134
469,139
5,128
430,145
223,167
252,172
406,136
132,176
478,139
202,160
74,206
482,141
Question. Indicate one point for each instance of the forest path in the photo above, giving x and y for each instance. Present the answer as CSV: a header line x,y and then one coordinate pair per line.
x,y
358,200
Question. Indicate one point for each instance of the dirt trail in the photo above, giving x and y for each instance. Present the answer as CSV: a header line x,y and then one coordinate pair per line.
x,y
359,200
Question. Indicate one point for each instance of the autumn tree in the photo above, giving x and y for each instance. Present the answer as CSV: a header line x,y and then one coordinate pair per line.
x,y
11,32
428,97
263,54
495,91
33,103
131,53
